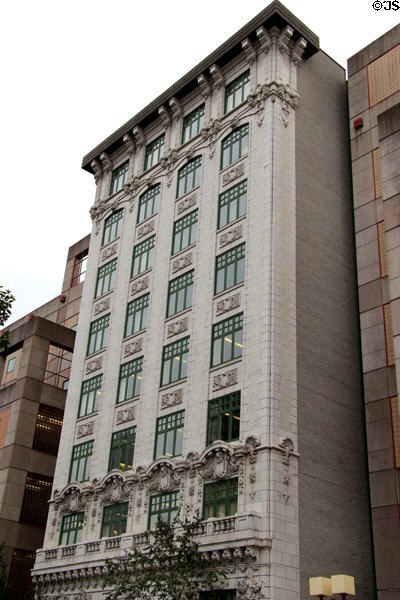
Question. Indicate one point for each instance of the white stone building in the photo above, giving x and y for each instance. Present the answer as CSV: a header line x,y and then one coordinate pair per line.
x,y
216,366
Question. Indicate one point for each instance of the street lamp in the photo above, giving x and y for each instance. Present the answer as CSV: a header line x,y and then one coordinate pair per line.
x,y
336,584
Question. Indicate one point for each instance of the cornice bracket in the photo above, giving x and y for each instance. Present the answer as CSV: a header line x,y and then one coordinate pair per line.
x,y
249,50
205,87
217,76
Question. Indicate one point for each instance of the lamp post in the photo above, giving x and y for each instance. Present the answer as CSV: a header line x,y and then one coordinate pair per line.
x,y
336,584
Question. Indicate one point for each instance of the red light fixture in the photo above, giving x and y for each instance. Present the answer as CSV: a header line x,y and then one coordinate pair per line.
x,y
358,123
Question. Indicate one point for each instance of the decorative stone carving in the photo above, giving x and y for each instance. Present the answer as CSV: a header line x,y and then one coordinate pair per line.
x,y
228,304
172,398
205,87
225,379
264,39
133,347
217,76
126,414
94,365
287,446
249,50
114,490
130,188
140,138
209,134
284,39
101,306
298,50
99,208
71,500
182,262
168,162
230,236
85,429
219,463
106,162
176,108
248,588
233,174
140,285
186,203
129,143
145,229
165,116
109,251
177,327
98,170
162,478
256,100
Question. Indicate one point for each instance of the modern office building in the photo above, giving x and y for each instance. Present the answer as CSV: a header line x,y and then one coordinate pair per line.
x,y
217,363
374,112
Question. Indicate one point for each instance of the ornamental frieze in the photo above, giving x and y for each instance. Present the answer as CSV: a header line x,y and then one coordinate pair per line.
x,y
227,304
85,429
172,398
232,174
94,365
101,306
125,415
145,229
109,251
231,236
133,347
225,379
140,285
177,327
186,203
182,262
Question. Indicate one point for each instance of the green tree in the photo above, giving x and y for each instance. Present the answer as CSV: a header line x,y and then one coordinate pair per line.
x,y
170,567
6,300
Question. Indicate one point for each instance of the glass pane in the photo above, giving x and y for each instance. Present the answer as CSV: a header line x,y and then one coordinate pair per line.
x,y
230,276
240,271
169,449
225,426
217,352
235,424
181,298
235,152
189,296
184,367
178,442
238,346
166,372
227,349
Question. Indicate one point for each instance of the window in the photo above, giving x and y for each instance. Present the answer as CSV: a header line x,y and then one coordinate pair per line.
x,y
136,315
164,507
90,392
65,384
112,227
118,177
71,528
175,361
114,519
122,449
189,176
235,145
48,429
78,273
98,336
154,152
22,562
224,418
232,204
143,256
130,378
180,292
237,91
11,364
35,504
227,340
169,435
220,498
192,124
80,462
106,278
229,268
148,203
185,232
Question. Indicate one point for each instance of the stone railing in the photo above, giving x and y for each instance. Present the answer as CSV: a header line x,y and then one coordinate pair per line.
x,y
92,547
68,551
112,543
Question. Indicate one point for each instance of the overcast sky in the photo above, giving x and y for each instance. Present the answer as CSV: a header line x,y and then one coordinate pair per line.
x,y
73,72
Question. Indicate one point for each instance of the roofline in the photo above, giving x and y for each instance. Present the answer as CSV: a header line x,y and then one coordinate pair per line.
x,y
274,14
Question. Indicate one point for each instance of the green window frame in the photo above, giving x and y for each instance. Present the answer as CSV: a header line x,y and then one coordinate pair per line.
x,y
143,256
169,435
189,176
164,507
154,152
149,202
229,268
185,232
136,315
227,340
98,334
193,123
122,449
130,378
114,521
237,91
90,392
106,278
220,498
180,293
112,227
223,421
119,177
175,361
235,145
80,461
71,527
232,204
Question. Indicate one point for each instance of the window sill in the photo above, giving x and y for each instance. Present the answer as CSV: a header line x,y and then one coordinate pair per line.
x,y
125,402
167,386
182,196
228,290
238,220
180,252
103,296
235,162
133,335
178,314
140,275
96,353
88,416
226,364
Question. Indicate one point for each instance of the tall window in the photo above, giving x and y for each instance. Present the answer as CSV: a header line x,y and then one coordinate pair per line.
x,y
224,418
154,152
169,435
189,176
164,507
180,292
80,461
112,227
235,145
106,278
232,204
48,429
229,268
71,528
192,124
119,177
122,449
114,520
98,335
227,340
237,91
130,378
185,232
136,315
35,503
78,274
220,498
143,256
148,203
90,394
175,361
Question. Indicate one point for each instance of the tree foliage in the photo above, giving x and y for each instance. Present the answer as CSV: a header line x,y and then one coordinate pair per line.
x,y
6,300
171,567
